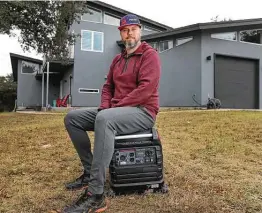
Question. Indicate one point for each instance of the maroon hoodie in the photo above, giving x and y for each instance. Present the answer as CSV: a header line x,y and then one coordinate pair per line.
x,y
133,80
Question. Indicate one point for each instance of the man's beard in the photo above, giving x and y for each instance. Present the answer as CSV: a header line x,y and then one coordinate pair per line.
x,y
130,44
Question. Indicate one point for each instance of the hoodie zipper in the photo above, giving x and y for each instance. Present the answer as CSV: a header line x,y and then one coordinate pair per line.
x,y
126,63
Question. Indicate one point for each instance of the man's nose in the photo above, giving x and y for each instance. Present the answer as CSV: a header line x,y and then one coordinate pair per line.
x,y
129,32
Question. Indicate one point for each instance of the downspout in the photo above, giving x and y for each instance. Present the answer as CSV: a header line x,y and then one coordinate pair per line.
x,y
43,88
70,95
47,85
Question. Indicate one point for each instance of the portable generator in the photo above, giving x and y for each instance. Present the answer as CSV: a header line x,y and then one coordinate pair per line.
x,y
137,164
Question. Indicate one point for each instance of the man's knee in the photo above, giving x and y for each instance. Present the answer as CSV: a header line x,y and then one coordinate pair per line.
x,y
70,117
103,118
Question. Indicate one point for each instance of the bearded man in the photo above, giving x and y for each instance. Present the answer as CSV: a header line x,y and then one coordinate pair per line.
x,y
129,104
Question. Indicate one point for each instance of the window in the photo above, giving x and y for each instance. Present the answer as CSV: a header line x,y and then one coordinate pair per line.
x,y
153,44
181,41
86,90
92,41
150,29
165,45
225,36
111,20
94,15
29,67
251,36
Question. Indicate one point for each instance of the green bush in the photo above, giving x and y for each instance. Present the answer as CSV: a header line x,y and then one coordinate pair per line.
x,y
7,93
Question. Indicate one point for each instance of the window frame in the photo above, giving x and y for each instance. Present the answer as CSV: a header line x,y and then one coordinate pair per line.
x,y
190,37
166,49
92,41
37,71
225,38
93,8
110,14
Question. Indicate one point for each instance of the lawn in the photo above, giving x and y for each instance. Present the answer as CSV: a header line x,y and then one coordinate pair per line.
x,y
212,160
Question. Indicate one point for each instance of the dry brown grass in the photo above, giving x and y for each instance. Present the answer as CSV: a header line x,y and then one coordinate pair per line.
x,y
213,163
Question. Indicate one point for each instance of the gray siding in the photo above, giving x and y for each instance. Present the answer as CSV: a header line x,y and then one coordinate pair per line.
x,y
180,78
212,46
28,89
90,68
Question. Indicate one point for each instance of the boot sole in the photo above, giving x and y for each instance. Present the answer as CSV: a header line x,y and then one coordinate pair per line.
x,y
99,210
90,211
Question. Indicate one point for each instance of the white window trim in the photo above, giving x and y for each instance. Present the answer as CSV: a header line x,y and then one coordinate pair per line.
x,y
110,14
191,37
225,38
29,73
245,42
166,49
92,41
93,8
88,89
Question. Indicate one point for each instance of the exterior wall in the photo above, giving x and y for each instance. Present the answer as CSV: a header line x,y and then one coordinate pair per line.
x,y
29,90
181,69
90,68
211,46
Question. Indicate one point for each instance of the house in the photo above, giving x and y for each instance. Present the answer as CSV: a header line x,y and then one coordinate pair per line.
x,y
219,59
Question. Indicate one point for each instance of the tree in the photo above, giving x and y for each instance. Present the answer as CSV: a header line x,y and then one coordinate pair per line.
x,y
252,36
217,19
7,93
44,25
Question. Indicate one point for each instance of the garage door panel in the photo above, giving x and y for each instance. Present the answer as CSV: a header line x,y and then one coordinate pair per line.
x,y
236,82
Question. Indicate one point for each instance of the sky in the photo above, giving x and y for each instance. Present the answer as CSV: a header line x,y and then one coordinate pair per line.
x,y
169,12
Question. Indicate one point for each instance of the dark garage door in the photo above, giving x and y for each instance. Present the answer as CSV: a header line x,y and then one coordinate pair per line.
x,y
236,82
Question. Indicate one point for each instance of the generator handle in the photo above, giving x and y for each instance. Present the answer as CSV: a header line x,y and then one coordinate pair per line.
x,y
133,136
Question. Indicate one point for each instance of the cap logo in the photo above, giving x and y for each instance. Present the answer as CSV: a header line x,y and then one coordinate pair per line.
x,y
123,22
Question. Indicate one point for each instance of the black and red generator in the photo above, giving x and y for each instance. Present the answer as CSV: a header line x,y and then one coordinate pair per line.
x,y
137,164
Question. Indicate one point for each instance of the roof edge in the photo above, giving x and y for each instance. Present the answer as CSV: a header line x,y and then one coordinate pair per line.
x,y
184,29
100,3
233,23
14,62
205,26
14,55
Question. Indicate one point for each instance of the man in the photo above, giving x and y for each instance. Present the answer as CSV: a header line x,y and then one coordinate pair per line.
x,y
129,103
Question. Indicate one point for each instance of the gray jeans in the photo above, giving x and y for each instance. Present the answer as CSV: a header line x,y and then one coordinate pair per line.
x,y
106,124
